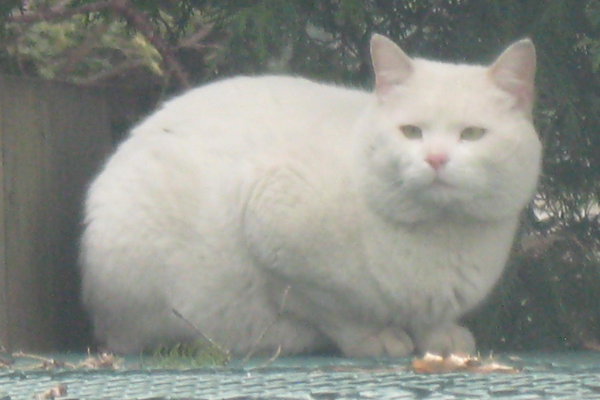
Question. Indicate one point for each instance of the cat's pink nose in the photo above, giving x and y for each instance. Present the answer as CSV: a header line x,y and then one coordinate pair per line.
x,y
437,160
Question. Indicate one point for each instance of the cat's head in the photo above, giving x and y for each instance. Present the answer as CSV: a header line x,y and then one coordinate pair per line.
x,y
451,138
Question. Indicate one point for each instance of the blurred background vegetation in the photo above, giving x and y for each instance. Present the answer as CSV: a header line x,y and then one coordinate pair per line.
x,y
550,296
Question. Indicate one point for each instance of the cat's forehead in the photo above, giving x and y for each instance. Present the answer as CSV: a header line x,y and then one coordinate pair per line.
x,y
448,75
455,91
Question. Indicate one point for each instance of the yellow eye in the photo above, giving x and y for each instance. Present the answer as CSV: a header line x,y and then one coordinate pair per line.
x,y
472,133
411,131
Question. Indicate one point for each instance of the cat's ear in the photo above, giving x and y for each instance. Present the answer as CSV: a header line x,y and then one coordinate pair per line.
x,y
514,72
391,65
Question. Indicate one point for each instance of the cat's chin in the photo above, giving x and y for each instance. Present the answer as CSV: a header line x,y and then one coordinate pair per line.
x,y
440,192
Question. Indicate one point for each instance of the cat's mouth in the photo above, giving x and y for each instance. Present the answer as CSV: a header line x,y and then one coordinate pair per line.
x,y
439,182
440,192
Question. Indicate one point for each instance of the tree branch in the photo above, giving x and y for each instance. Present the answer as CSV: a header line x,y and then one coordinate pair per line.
x,y
137,19
59,13
140,22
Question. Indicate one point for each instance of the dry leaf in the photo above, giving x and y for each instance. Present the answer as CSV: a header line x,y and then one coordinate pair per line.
x,y
102,360
436,364
52,393
591,344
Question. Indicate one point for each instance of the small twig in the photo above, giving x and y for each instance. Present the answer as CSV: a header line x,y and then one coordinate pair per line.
x,y
275,356
199,333
268,327
46,363
272,359
102,360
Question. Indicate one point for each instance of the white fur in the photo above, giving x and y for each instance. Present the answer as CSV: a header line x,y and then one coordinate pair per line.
x,y
242,188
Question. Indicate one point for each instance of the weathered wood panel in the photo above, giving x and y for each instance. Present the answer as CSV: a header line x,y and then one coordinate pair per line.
x,y
52,139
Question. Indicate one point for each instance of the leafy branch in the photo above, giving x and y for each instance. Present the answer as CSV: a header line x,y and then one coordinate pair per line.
x,y
136,18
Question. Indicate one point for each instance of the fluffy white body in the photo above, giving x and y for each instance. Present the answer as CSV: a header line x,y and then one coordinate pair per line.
x,y
313,215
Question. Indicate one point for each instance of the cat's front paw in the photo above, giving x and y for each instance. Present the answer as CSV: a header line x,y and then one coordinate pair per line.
x,y
390,342
447,339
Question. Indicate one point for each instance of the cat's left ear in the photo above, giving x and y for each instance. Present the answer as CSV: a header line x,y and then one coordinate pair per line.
x,y
514,72
391,65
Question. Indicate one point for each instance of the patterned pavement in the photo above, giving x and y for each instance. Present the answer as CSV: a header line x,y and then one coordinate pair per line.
x,y
543,376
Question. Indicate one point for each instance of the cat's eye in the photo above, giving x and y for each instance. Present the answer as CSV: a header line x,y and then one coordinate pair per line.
x,y
471,133
411,131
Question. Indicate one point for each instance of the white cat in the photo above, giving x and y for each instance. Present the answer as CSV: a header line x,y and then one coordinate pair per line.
x,y
372,221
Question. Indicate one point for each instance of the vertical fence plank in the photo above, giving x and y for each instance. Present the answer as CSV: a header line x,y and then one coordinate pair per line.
x,y
53,138
3,234
23,136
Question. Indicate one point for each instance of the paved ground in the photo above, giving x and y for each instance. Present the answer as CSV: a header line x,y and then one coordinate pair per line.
x,y
543,376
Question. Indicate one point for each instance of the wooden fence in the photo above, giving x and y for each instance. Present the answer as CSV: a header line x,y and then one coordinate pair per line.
x,y
53,137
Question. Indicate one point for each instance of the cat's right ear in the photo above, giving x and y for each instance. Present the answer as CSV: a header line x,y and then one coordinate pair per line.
x,y
391,65
514,72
